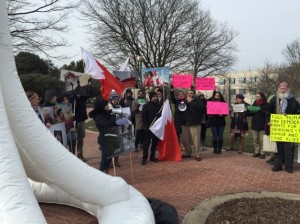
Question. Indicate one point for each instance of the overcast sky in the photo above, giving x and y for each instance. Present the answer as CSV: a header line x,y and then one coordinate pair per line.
x,y
265,27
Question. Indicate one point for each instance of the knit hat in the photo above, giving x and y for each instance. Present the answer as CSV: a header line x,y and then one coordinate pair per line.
x,y
113,95
152,94
31,95
240,96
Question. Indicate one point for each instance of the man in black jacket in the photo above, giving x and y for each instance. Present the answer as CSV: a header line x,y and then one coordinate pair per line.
x,y
150,114
191,131
284,103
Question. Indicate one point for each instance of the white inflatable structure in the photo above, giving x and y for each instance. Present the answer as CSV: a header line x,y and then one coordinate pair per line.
x,y
34,166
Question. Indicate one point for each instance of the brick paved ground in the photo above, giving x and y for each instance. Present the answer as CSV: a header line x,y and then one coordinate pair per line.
x,y
185,184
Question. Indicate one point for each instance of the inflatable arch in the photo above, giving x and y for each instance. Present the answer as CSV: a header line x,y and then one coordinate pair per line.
x,y
34,166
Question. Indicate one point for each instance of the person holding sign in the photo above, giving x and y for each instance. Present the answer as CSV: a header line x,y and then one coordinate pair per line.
x,y
258,113
217,124
239,124
284,103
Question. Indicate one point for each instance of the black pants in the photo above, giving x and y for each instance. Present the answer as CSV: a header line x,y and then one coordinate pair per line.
x,y
140,137
285,155
149,136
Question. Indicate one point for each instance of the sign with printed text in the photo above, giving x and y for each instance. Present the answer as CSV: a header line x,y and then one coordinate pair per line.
x,y
285,128
205,84
182,81
217,107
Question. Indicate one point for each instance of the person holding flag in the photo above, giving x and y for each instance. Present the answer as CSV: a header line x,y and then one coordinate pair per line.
x,y
151,111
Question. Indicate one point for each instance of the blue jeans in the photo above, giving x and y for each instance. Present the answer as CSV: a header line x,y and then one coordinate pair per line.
x,y
217,133
104,163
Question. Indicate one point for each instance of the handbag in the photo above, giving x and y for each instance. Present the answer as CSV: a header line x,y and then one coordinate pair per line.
x,y
268,145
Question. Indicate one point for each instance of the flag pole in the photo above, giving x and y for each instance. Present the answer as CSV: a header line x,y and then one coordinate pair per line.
x,y
156,116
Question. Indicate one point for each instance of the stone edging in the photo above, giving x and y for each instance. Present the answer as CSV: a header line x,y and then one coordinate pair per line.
x,y
199,213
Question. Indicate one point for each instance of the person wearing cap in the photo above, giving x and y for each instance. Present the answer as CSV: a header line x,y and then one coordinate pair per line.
x,y
151,112
284,103
113,104
239,124
103,121
34,100
258,123
137,108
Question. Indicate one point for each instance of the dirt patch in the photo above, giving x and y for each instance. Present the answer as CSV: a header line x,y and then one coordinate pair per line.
x,y
256,210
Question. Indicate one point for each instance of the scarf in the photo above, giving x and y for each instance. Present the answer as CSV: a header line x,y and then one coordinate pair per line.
x,y
259,102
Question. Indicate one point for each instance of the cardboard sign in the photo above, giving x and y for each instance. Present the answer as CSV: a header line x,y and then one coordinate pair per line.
x,y
285,128
182,81
59,132
238,108
217,107
205,84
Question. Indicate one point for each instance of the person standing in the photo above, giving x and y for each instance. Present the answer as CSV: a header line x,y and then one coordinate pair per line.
x,y
180,108
239,123
80,117
258,123
137,108
126,101
203,122
151,112
217,124
103,120
284,103
114,104
191,131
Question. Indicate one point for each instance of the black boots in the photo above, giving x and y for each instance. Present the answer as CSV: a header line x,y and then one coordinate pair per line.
x,y
215,145
220,145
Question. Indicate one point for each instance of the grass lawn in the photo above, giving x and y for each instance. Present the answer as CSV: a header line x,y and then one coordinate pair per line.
x,y
248,147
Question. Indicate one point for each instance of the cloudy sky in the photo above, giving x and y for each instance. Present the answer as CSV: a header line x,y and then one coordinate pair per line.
x,y
265,27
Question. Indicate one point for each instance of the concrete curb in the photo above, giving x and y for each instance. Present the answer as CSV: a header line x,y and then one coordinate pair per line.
x,y
200,212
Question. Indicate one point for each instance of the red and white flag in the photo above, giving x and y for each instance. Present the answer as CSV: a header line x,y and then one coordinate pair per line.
x,y
98,71
164,129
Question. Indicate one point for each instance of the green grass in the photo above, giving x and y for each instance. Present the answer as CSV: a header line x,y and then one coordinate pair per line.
x,y
248,144
90,125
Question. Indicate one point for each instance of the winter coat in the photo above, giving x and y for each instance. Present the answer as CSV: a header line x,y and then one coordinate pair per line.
x,y
103,122
293,106
150,112
239,120
258,122
179,116
194,112
138,115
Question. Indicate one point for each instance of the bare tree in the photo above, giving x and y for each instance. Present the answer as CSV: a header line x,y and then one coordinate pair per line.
x,y
163,32
292,53
267,79
211,46
35,26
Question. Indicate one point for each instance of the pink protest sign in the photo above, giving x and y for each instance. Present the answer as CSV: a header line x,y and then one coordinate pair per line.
x,y
182,81
205,84
217,107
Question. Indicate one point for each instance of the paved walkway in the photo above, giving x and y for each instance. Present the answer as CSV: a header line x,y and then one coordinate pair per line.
x,y
185,184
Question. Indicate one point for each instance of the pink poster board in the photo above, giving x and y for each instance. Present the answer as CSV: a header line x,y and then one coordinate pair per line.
x,y
182,81
217,107
205,84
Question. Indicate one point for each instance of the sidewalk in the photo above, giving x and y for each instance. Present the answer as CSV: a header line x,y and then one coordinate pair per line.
x,y
185,184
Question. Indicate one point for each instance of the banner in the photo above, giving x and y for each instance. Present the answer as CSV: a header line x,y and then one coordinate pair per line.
x,y
285,128
155,76
217,107
182,81
205,84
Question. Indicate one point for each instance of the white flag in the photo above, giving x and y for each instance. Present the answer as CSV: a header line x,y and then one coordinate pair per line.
x,y
158,128
124,65
91,66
